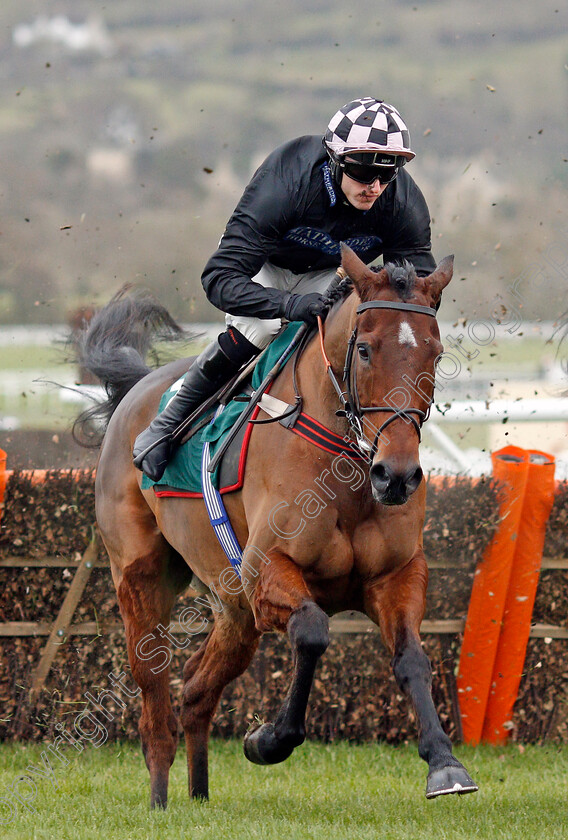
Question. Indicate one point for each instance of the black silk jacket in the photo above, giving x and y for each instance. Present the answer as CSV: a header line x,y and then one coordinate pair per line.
x,y
293,215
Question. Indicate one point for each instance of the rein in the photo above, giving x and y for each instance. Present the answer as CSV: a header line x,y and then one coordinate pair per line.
x,y
352,409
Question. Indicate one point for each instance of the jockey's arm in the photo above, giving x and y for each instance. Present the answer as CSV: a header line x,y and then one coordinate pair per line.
x,y
258,222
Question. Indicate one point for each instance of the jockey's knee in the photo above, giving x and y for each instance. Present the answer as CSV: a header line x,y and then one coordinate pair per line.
x,y
258,331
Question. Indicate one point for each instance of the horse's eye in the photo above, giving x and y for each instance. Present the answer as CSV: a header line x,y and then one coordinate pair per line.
x,y
364,352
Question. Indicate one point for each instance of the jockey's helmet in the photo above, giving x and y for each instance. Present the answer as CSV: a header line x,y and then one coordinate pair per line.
x,y
377,135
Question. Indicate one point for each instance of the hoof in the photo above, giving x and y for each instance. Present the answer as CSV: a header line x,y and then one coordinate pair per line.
x,y
159,801
159,792
451,779
262,747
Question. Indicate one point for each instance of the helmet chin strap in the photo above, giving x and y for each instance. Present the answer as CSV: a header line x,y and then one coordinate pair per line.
x,y
335,170
337,175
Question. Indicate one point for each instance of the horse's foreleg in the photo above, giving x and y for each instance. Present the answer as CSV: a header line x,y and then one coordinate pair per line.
x,y
146,600
396,603
223,656
283,602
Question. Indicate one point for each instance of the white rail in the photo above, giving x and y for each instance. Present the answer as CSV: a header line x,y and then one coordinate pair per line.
x,y
496,411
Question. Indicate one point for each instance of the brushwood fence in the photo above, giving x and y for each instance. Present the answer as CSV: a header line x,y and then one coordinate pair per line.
x,y
61,634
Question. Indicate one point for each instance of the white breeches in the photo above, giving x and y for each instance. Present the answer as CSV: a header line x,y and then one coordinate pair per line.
x,y
261,332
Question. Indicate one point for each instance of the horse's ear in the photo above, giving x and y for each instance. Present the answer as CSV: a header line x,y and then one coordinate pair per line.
x,y
440,278
364,279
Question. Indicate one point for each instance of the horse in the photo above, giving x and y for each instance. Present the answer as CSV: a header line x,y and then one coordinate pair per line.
x,y
360,550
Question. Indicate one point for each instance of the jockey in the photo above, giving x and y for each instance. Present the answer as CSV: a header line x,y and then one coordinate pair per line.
x,y
281,247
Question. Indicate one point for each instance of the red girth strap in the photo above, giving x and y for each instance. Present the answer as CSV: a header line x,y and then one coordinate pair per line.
x,y
325,439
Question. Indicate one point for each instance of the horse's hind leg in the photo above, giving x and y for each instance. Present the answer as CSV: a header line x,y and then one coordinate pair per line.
x,y
396,604
283,602
147,586
223,656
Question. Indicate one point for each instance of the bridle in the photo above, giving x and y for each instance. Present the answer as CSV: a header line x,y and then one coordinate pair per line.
x,y
352,409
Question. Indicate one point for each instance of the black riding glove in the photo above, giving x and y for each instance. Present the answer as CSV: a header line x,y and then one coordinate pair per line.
x,y
305,308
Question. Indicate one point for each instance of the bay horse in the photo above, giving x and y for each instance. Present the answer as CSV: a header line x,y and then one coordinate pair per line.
x,y
361,550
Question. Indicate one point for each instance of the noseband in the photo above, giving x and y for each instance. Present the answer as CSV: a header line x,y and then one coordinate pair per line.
x,y
352,409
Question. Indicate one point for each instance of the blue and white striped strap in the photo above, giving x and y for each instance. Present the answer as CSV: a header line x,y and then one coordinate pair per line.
x,y
217,513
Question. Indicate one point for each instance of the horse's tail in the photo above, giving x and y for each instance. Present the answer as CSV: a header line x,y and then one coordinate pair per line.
x,y
113,347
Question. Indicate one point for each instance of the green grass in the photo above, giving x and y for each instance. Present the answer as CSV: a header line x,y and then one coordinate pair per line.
x,y
321,792
53,358
28,357
27,374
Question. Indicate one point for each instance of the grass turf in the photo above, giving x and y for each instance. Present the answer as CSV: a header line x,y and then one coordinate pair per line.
x,y
321,792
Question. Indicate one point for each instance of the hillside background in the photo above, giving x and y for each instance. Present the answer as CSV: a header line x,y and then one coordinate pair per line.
x,y
129,129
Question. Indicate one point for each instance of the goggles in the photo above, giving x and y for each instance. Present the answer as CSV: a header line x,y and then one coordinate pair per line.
x,y
363,168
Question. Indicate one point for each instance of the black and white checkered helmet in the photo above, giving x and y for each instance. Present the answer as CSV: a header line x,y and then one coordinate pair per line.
x,y
368,125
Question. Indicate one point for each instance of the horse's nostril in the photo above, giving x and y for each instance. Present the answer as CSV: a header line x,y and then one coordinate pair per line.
x,y
413,479
395,486
380,472
381,477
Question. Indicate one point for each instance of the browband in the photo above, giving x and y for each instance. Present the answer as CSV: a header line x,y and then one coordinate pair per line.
x,y
392,304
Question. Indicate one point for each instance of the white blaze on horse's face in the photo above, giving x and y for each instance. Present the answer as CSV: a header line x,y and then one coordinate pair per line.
x,y
406,336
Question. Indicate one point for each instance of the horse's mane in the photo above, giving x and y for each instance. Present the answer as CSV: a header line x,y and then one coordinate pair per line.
x,y
338,293
402,278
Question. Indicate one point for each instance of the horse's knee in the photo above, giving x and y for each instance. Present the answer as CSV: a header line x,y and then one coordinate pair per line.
x,y
308,629
196,694
280,592
158,729
159,738
411,664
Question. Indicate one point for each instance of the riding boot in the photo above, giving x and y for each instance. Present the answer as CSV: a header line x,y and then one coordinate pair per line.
x,y
153,447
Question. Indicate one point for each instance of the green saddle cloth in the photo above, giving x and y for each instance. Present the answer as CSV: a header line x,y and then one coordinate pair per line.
x,y
184,469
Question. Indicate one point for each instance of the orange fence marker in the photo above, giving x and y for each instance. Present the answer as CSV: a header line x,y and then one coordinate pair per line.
x,y
512,647
488,595
40,476
3,478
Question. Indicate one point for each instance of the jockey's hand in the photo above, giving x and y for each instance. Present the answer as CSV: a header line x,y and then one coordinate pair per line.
x,y
305,308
